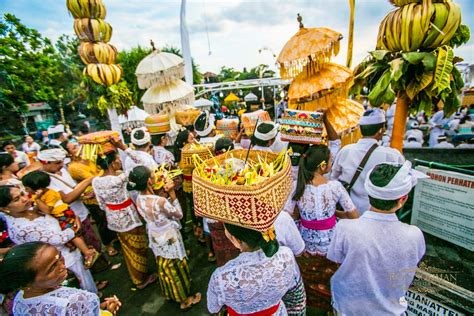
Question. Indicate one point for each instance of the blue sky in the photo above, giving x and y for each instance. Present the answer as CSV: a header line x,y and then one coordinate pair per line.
x,y
237,29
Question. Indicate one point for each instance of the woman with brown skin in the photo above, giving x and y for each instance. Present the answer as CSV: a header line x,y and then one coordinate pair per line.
x,y
26,224
81,169
122,217
37,270
8,169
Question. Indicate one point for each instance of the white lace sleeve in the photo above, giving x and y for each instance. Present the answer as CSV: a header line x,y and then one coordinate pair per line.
x,y
84,303
290,204
344,198
22,232
135,158
170,210
213,304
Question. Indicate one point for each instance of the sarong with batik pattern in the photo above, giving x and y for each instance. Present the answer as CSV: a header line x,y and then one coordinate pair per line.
x,y
295,299
174,278
135,247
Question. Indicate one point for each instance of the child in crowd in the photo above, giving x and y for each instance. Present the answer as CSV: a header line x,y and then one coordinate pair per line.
x,y
50,202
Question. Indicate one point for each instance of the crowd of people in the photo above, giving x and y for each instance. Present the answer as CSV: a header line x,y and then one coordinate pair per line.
x,y
337,245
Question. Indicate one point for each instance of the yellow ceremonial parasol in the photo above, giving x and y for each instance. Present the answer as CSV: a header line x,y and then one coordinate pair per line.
x,y
321,90
231,98
308,50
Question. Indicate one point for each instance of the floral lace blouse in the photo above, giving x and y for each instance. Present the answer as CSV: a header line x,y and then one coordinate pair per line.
x,y
161,154
253,282
64,301
113,190
163,225
318,203
46,229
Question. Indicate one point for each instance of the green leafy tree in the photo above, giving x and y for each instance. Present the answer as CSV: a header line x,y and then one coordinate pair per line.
x,y
129,61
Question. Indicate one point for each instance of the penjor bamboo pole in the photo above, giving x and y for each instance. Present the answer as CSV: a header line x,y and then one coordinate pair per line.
x,y
350,40
400,122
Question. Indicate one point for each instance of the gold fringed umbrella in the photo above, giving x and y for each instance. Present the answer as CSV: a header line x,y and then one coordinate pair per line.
x,y
308,50
321,90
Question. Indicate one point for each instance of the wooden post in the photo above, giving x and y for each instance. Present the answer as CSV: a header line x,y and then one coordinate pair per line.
x,y
400,122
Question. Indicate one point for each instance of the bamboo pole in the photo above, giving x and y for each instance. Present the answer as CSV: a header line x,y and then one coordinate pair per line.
x,y
350,41
400,122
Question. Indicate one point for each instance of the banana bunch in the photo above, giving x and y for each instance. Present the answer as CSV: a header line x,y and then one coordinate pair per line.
x,y
92,30
419,25
97,53
401,3
103,73
86,9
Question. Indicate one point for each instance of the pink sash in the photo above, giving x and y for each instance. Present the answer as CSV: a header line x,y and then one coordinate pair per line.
x,y
323,224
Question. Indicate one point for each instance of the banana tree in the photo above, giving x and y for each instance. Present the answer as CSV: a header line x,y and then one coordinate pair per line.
x,y
417,73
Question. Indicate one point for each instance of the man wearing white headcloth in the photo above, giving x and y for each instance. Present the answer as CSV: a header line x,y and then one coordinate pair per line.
x,y
378,253
141,156
265,137
205,128
353,161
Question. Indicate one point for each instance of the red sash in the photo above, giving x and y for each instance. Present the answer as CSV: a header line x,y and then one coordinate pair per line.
x,y
323,224
121,206
266,312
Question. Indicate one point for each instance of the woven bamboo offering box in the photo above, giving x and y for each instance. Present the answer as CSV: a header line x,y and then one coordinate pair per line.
x,y
228,127
249,120
249,195
97,143
302,127
204,151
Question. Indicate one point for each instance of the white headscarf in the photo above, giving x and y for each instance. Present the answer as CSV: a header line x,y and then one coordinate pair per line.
x,y
400,185
52,154
268,136
375,116
210,124
142,141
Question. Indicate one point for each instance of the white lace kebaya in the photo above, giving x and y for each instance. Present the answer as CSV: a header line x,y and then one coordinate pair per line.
x,y
163,226
252,282
319,203
113,190
64,301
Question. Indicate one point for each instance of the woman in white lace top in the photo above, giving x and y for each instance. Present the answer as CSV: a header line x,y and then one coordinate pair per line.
x,y
256,280
160,153
27,225
162,217
122,217
315,198
37,270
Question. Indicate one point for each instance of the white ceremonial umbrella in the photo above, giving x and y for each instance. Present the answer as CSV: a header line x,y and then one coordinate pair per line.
x,y
203,104
135,118
174,95
159,68
250,97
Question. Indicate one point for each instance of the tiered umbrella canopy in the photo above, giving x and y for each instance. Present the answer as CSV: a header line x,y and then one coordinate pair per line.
x,y
250,97
319,85
135,118
203,104
161,74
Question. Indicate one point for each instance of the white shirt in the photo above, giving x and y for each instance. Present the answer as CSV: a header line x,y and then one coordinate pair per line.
x,y
349,158
252,282
437,119
34,147
113,190
46,229
412,144
379,256
64,301
465,146
288,234
21,157
443,144
211,140
278,145
145,159
161,154
65,183
162,226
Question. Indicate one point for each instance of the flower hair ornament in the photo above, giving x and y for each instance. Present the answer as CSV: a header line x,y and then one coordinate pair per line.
x,y
322,164
131,184
269,234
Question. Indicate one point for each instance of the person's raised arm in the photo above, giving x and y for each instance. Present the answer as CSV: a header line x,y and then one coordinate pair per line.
x,y
72,196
